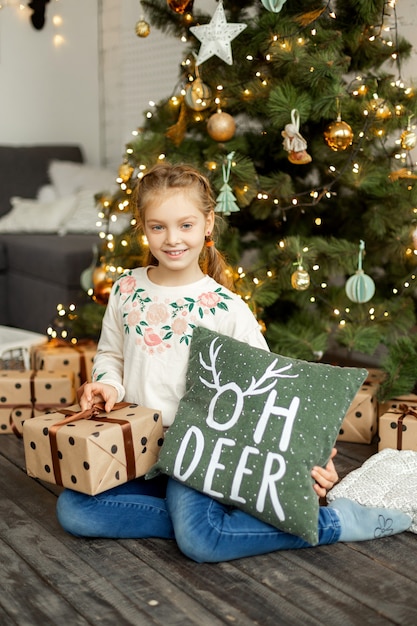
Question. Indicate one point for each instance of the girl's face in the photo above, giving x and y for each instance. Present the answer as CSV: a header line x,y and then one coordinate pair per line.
x,y
175,229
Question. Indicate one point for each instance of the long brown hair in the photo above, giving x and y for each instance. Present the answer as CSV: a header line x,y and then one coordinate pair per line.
x,y
166,176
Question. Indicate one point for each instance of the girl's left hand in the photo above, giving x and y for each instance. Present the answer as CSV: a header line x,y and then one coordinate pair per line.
x,y
325,477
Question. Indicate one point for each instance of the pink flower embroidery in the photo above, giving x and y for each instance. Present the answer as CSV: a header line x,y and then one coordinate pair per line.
x,y
157,314
127,284
179,326
133,317
209,299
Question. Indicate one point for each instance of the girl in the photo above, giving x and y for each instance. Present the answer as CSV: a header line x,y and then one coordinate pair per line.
x,y
142,355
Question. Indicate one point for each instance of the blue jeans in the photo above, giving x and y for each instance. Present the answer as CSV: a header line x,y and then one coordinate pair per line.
x,y
205,530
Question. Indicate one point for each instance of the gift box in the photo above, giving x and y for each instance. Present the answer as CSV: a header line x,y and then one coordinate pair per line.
x,y
409,399
375,376
91,451
77,358
26,393
398,429
11,419
360,422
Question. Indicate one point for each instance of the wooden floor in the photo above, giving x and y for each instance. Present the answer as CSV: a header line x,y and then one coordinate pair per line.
x,y
49,577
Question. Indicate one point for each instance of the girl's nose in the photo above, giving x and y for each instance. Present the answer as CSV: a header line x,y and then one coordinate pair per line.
x,y
172,236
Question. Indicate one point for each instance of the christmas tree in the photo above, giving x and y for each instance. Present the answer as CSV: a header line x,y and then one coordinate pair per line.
x,y
298,113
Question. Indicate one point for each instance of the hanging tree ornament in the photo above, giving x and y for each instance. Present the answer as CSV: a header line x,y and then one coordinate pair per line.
x,y
226,200
216,36
103,278
197,94
273,5
294,143
408,137
180,6
300,279
360,287
142,28
221,126
338,135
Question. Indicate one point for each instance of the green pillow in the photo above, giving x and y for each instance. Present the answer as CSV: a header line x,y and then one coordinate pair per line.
x,y
251,426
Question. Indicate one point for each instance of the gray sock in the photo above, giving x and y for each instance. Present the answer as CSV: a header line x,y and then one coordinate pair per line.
x,y
360,523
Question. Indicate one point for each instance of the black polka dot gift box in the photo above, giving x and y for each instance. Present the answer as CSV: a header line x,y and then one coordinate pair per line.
x,y
360,423
27,393
91,451
398,428
77,358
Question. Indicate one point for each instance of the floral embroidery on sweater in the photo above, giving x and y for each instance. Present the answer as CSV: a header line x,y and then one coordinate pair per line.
x,y
157,324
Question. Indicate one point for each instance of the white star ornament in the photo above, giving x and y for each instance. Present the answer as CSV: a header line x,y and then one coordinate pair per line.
x,y
216,36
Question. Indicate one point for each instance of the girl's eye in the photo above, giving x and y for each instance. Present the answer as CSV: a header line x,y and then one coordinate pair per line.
x,y
157,227
187,226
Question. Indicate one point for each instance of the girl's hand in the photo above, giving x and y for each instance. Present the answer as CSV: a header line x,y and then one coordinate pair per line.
x,y
325,477
95,393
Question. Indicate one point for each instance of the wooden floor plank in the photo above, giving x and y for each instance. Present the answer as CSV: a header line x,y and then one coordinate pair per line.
x,y
227,592
26,599
311,593
390,595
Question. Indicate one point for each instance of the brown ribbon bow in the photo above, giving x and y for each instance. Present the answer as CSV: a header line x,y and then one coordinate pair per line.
x,y
405,410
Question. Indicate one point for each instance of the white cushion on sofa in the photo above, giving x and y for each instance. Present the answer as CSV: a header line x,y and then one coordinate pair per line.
x,y
32,216
46,193
68,177
84,218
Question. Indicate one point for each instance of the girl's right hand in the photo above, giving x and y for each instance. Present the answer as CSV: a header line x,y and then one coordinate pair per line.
x,y
95,393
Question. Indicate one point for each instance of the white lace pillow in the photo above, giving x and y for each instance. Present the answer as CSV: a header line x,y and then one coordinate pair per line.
x,y
32,216
388,479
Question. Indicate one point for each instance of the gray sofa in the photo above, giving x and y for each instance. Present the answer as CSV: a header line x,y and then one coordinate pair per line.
x,y
37,271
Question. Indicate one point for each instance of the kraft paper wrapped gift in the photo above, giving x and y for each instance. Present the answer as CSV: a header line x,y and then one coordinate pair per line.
x,y
61,355
92,451
360,422
398,429
375,376
409,399
26,393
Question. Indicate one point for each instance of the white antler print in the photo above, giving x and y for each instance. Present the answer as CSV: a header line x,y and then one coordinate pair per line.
x,y
256,387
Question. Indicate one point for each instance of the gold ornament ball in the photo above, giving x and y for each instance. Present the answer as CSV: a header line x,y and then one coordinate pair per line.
x,y
101,292
300,279
408,139
338,135
221,126
197,95
381,109
142,28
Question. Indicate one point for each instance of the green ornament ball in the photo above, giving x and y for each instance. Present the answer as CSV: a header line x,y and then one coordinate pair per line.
x,y
360,287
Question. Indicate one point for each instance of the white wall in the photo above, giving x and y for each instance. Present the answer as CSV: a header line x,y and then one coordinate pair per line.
x,y
93,90
50,94
136,70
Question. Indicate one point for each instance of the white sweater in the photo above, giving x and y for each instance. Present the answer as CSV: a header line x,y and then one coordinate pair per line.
x,y
147,328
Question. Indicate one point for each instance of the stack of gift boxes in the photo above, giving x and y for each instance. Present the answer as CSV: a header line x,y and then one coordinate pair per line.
x,y
88,451
394,422
58,369
94,452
